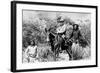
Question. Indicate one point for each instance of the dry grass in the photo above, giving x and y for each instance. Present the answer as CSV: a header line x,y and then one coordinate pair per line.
x,y
44,54
80,52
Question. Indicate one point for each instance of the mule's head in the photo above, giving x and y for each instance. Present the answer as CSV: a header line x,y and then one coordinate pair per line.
x,y
50,35
47,35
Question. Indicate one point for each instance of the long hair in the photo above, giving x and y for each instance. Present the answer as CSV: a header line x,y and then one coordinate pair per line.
x,y
75,27
30,43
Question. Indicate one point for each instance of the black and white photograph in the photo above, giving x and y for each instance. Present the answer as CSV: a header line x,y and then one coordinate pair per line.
x,y
55,36
47,36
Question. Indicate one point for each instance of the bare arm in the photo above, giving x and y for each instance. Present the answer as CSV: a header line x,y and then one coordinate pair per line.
x,y
27,50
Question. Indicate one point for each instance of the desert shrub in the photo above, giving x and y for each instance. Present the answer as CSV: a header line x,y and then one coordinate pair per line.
x,y
45,53
86,32
80,52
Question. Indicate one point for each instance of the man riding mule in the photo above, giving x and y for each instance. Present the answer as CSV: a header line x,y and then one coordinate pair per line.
x,y
65,43
58,39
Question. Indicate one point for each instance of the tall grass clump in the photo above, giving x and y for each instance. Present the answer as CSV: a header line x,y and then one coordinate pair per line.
x,y
80,52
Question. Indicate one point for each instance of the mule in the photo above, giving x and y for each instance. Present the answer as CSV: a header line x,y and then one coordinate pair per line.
x,y
58,43
52,39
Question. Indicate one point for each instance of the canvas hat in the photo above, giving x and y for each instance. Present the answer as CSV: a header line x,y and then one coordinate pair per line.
x,y
60,19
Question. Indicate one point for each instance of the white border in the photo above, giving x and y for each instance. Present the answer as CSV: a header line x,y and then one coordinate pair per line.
x,y
21,66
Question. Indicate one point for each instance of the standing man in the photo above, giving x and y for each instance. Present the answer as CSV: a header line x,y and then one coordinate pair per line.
x,y
76,34
77,37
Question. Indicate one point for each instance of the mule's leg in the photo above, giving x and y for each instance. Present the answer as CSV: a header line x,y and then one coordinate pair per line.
x,y
70,50
56,49
69,53
54,54
52,47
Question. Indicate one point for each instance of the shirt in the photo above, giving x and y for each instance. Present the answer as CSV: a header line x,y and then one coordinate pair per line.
x,y
61,29
31,50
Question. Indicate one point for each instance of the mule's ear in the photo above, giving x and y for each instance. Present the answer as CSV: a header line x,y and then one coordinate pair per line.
x,y
45,29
